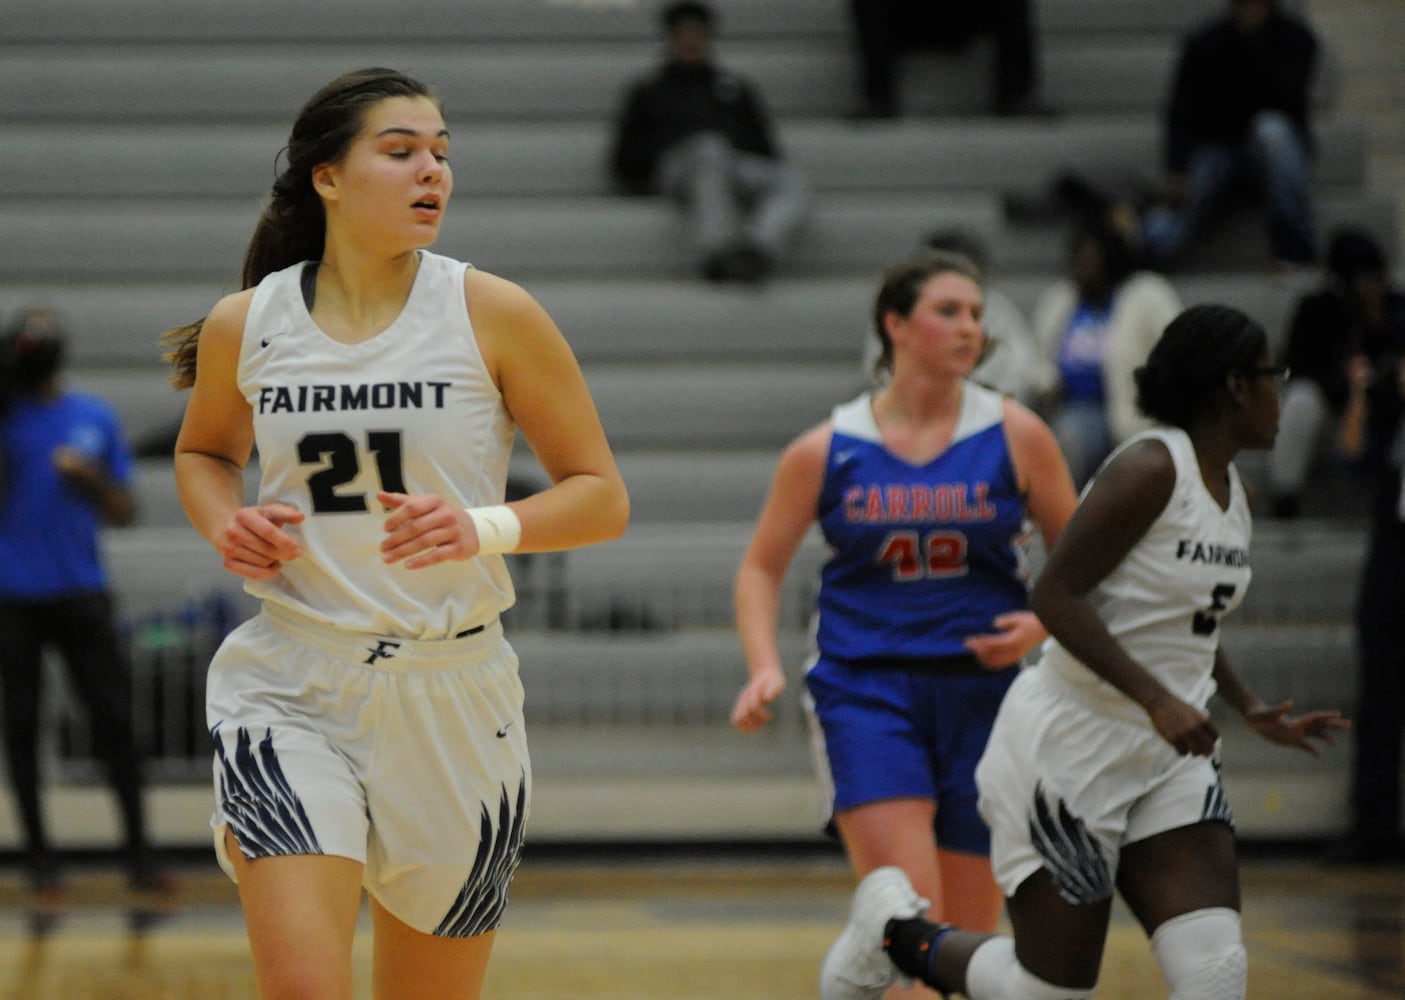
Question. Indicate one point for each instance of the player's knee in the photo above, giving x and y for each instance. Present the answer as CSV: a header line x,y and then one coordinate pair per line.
x,y
1202,955
994,971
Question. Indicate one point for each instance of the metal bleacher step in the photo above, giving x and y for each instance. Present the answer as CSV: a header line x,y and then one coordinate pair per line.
x,y
569,158
601,237
519,78
115,326
548,21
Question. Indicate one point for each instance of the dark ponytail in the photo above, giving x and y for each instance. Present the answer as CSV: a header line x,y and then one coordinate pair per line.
x,y
293,226
1189,363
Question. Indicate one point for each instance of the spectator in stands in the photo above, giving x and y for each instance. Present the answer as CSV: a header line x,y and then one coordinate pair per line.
x,y
1093,328
1102,773
885,29
1240,114
921,488
700,135
1008,362
1352,320
368,721
65,473
1371,431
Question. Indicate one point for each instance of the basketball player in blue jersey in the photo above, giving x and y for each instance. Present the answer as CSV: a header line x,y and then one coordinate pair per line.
x,y
922,489
368,721
1102,774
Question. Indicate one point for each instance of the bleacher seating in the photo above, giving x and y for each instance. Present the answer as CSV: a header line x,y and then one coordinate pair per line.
x,y
137,139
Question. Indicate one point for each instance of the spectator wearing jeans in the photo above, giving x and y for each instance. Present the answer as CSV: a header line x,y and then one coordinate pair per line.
x,y
1240,112
702,136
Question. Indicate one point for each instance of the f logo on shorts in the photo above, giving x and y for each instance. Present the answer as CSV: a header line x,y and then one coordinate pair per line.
x,y
384,650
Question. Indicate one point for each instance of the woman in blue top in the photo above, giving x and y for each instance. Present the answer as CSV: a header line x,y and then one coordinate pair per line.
x,y
1093,328
64,474
922,489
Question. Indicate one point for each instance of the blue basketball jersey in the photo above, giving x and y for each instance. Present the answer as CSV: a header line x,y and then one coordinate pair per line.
x,y
921,556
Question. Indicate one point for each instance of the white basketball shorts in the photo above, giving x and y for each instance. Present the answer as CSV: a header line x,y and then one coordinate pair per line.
x,y
408,756
1063,787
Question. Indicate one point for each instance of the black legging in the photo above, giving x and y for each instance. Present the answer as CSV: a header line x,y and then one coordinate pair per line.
x,y
82,628
1380,712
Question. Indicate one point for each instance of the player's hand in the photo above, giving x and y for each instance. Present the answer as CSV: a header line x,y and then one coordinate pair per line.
x,y
1277,726
254,544
1184,726
425,529
752,709
1017,632
75,466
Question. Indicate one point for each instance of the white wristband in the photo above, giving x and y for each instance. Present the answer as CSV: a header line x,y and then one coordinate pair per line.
x,y
499,529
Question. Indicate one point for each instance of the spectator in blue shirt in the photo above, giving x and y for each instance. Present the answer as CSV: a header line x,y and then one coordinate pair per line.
x,y
64,471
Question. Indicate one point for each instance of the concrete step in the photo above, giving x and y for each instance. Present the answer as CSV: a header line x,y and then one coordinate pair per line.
x,y
204,240
481,21
115,324
199,240
686,486
513,80
678,406
229,160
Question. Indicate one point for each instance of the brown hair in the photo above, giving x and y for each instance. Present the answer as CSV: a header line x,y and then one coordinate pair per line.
x,y
293,226
902,285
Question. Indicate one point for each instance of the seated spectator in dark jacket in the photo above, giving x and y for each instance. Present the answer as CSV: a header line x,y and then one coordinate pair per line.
x,y
1239,113
1349,323
884,29
701,135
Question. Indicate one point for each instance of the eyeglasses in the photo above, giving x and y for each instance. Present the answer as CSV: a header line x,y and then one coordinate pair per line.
x,y
1279,373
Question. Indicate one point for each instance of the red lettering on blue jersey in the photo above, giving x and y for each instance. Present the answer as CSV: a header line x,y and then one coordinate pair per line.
x,y
896,501
902,503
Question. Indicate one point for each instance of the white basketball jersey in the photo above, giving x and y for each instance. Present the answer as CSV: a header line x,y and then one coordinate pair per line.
x,y
412,410
1164,601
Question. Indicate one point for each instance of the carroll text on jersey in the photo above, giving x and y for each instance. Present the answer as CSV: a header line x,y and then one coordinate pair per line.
x,y
888,503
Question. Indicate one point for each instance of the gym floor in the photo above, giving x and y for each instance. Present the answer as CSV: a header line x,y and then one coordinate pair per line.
x,y
631,925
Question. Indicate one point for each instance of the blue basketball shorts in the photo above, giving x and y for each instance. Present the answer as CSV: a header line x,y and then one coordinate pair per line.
x,y
889,733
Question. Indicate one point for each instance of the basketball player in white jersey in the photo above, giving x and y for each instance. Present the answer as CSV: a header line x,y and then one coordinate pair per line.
x,y
1102,771
368,721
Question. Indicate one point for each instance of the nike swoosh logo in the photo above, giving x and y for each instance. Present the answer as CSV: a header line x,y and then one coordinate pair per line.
x,y
502,733
266,340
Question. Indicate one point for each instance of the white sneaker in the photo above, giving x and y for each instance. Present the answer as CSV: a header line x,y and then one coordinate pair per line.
x,y
857,967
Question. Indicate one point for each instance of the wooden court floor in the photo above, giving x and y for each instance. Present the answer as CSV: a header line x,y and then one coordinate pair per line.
x,y
682,927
